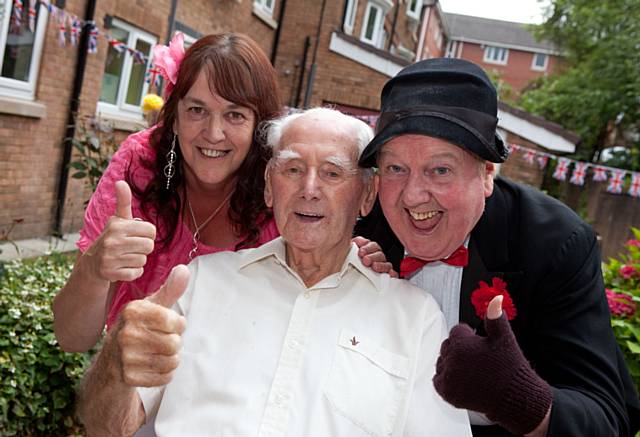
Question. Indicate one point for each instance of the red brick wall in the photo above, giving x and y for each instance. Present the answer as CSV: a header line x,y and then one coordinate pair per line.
x,y
435,34
517,169
517,72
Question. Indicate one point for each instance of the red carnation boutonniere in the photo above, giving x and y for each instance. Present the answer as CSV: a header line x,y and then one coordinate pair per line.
x,y
480,298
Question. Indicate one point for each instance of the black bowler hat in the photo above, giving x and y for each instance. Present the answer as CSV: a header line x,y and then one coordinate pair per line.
x,y
447,98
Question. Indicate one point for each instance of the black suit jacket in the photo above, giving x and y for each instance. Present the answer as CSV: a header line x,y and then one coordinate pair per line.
x,y
550,260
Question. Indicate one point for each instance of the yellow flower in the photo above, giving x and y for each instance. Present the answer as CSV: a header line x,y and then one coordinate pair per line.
x,y
152,102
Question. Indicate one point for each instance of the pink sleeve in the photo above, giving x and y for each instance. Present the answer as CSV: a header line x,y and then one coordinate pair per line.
x,y
102,204
268,232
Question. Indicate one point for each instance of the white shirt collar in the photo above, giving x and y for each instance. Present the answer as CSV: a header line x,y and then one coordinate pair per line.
x,y
276,248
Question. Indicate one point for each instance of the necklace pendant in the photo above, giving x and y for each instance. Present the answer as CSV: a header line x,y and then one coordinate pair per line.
x,y
192,253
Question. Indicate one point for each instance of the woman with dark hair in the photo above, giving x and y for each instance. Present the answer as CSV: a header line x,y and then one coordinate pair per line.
x,y
191,185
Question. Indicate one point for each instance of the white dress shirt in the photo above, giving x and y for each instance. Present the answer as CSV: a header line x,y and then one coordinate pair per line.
x,y
264,355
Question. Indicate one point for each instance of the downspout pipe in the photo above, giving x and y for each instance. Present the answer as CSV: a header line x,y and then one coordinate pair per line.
x,y
172,21
276,36
312,73
393,26
426,14
74,105
307,44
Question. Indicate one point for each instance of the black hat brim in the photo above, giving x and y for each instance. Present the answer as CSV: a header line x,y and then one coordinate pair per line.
x,y
433,127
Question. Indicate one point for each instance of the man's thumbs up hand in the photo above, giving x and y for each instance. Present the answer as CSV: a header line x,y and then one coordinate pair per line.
x,y
149,334
120,253
490,375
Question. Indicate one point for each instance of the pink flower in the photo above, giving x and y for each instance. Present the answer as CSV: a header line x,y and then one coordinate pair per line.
x,y
635,243
620,304
628,272
168,60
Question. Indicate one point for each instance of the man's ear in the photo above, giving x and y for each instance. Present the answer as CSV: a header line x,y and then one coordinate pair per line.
x,y
487,174
268,193
369,196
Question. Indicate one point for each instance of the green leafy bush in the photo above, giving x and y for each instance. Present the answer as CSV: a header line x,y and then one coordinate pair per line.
x,y
37,379
622,280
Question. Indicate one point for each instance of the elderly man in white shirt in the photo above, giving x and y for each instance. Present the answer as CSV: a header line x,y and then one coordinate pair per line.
x,y
294,338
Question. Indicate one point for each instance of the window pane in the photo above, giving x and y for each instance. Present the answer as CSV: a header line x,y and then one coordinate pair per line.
x,y
136,79
113,69
540,60
371,23
414,6
19,49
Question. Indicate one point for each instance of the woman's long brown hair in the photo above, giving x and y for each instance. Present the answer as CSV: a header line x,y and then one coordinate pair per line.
x,y
240,72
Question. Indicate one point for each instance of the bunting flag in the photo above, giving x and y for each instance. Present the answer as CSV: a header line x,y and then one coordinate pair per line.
x,y
634,188
579,173
138,56
561,169
542,161
118,45
615,183
17,16
599,173
74,32
529,156
32,15
92,47
62,28
153,76
513,148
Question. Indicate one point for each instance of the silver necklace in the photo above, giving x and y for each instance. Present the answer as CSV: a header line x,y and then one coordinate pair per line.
x,y
198,228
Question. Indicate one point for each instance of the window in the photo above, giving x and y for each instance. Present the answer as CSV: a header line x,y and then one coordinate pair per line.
x,y
496,55
266,5
350,16
123,83
540,61
451,50
20,50
373,25
413,8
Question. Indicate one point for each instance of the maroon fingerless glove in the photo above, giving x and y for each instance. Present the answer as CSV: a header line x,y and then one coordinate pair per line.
x,y
490,375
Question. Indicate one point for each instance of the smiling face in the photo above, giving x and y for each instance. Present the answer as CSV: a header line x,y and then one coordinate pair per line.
x,y
215,135
432,193
315,187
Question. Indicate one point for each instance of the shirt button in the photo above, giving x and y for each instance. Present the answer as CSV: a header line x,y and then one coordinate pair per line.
x,y
293,344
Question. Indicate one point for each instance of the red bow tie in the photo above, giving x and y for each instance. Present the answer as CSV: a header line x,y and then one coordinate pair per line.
x,y
459,258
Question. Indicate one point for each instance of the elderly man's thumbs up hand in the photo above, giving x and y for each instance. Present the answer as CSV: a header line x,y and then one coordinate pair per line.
x,y
491,375
148,334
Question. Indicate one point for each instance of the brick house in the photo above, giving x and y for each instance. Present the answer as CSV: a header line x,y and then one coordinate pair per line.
x,y
337,52
503,47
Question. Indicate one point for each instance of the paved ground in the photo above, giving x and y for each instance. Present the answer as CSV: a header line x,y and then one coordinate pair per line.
x,y
37,246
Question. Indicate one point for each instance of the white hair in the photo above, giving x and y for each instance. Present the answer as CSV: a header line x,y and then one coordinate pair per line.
x,y
273,131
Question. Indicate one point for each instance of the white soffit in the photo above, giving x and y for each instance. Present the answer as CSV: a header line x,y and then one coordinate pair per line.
x,y
364,57
534,133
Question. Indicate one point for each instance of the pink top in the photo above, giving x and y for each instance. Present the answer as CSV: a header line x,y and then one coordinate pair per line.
x,y
159,262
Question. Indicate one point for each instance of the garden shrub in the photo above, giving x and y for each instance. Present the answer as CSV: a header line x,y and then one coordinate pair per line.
x,y
622,281
37,379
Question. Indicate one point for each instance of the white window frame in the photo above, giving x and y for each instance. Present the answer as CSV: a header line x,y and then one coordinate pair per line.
x,y
122,109
415,14
452,49
17,88
350,16
378,26
536,67
263,4
490,55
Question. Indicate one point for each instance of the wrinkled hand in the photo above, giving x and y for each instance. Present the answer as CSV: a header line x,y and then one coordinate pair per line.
x,y
148,334
120,253
372,256
491,375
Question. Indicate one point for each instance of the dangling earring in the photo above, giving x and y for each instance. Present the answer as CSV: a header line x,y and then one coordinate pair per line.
x,y
170,169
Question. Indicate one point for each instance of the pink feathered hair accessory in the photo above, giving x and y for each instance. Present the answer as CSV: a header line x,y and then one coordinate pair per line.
x,y
168,60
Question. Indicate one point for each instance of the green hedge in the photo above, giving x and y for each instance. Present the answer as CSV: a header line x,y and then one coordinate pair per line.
x,y
37,379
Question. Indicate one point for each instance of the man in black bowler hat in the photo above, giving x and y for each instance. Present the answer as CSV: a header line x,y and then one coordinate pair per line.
x,y
541,359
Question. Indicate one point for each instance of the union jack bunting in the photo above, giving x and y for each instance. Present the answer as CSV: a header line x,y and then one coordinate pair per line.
x,y
76,27
513,148
32,15
561,169
615,183
542,161
93,38
62,28
579,172
119,46
17,16
529,156
634,188
599,174
153,76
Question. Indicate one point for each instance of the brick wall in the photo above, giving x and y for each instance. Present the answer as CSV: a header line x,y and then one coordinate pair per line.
x,y
517,72
518,169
